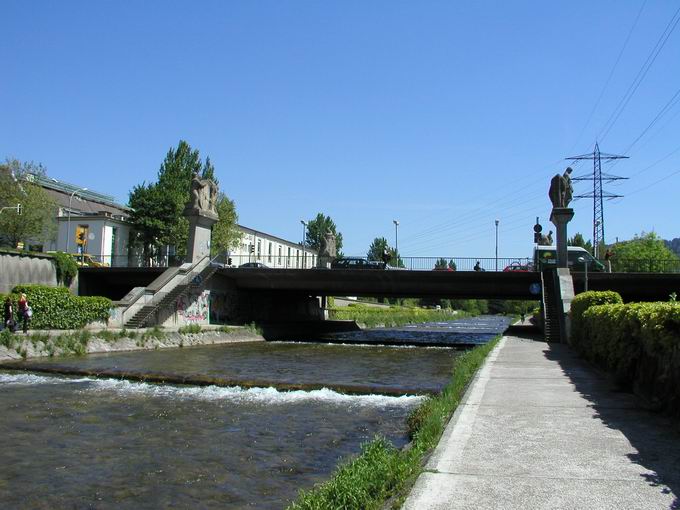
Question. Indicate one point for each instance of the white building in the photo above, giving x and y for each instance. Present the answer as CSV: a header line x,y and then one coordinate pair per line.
x,y
272,251
104,221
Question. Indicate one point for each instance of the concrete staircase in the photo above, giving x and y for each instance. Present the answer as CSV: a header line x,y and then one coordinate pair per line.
x,y
163,299
551,319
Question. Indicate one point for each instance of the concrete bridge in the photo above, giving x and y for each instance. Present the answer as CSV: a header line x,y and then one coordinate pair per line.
x,y
279,289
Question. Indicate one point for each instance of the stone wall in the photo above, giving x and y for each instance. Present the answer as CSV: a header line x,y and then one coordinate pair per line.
x,y
18,269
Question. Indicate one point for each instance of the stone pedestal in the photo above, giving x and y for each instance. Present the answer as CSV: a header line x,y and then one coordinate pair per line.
x,y
200,228
560,216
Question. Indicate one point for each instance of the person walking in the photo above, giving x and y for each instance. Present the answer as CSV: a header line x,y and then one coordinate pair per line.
x,y
24,311
8,315
608,259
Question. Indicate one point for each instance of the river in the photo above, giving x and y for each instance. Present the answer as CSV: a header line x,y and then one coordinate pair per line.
x,y
85,442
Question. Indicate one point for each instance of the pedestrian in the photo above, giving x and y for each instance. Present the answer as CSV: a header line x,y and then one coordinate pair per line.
x,y
25,311
8,315
478,266
608,260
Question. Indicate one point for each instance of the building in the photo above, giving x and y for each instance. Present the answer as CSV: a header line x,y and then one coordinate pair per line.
x,y
97,218
271,251
106,229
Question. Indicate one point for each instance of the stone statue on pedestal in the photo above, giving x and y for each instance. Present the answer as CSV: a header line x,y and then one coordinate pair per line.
x,y
203,195
328,251
561,190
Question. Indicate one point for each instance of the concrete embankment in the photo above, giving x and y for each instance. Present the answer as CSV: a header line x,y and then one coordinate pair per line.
x,y
539,428
38,344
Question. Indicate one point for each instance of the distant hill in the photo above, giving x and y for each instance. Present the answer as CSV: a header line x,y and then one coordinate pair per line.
x,y
674,244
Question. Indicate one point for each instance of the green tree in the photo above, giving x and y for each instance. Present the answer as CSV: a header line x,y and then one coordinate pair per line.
x,y
579,240
158,207
37,221
225,233
317,229
377,249
644,253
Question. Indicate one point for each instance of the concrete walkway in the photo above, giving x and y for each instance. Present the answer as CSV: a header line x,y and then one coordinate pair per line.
x,y
538,428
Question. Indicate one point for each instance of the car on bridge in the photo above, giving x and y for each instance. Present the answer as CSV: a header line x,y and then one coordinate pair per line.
x,y
577,258
357,263
518,266
254,265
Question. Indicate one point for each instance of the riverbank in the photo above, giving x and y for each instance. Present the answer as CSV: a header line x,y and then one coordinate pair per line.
x,y
48,343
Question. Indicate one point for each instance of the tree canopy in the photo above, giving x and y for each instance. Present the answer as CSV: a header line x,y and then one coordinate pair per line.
x,y
579,240
317,229
158,207
377,249
644,253
37,221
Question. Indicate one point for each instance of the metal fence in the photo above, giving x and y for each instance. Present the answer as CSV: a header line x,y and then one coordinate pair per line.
x,y
309,261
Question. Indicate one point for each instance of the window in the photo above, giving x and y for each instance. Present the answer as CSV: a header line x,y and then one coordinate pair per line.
x,y
279,263
269,252
259,248
288,258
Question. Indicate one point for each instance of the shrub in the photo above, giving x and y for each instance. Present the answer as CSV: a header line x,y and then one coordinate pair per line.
x,y
57,308
65,266
581,303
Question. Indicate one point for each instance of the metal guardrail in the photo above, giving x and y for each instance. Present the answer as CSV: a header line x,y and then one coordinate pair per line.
x,y
618,265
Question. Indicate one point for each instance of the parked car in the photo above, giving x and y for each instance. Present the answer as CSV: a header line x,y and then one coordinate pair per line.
x,y
254,265
357,263
516,266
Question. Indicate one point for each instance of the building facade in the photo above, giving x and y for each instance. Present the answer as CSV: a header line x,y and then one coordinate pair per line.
x,y
260,247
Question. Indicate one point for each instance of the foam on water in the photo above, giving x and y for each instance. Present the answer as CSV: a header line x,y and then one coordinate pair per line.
x,y
26,379
269,396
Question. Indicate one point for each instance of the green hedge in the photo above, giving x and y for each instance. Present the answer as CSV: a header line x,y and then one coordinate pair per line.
x,y
638,342
57,308
581,303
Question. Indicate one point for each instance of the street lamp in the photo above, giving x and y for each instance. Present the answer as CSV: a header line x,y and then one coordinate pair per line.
x,y
497,222
68,222
304,232
396,242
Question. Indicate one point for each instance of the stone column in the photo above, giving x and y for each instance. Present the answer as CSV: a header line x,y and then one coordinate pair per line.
x,y
200,228
560,216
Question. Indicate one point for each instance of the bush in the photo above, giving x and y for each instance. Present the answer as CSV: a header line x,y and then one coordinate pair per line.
x,y
639,343
57,308
66,267
190,329
581,303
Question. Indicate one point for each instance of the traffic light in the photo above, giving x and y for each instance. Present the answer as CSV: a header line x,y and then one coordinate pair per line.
x,y
252,248
229,261
81,235
537,232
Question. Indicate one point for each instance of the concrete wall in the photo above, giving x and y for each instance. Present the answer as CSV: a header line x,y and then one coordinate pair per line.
x,y
26,269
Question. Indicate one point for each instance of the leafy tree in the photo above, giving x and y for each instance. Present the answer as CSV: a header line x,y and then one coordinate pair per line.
x,y
37,221
443,264
644,253
225,233
158,207
578,240
317,229
377,249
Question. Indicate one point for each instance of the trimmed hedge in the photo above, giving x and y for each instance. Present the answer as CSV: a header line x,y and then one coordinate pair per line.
x,y
580,304
638,342
57,308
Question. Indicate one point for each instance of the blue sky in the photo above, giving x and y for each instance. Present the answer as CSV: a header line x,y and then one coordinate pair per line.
x,y
442,115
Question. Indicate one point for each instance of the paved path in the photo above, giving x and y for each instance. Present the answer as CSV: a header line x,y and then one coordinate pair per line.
x,y
538,428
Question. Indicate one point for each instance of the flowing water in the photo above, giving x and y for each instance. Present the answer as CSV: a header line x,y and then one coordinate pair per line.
x,y
82,442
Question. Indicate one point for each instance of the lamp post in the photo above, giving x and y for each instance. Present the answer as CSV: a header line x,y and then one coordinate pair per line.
x,y
497,222
68,222
304,235
396,242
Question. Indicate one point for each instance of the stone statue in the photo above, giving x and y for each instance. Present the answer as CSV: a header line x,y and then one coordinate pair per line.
x,y
203,195
546,240
328,252
561,190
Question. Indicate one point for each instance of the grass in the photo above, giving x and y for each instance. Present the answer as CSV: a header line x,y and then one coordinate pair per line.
x,y
253,328
394,316
113,336
71,343
381,472
190,329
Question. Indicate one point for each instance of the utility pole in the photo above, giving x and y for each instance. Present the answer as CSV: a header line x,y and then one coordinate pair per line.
x,y
598,194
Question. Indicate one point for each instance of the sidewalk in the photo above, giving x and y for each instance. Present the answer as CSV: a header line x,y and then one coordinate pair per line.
x,y
538,429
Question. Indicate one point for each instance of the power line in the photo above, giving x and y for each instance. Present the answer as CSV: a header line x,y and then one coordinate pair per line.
x,y
640,76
